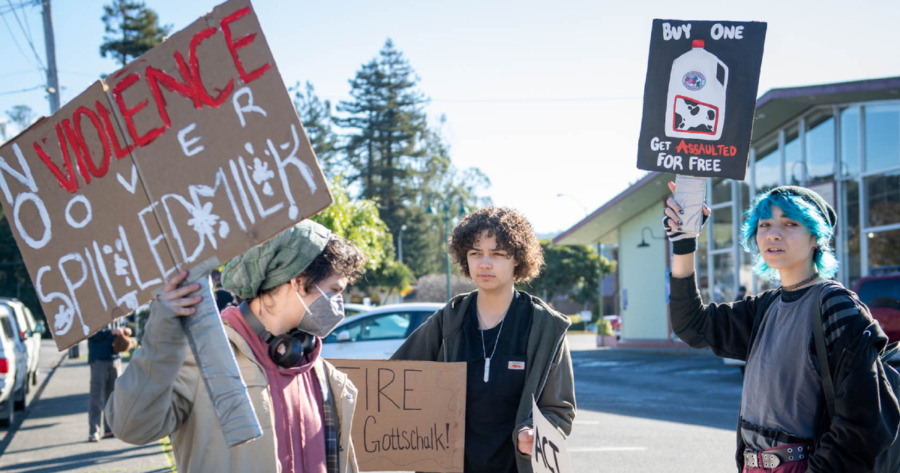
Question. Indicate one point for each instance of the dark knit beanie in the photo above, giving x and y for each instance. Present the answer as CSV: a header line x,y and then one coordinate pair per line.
x,y
811,197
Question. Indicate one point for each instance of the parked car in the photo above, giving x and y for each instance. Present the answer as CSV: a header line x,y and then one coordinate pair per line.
x,y
881,292
351,309
376,334
13,367
29,330
616,322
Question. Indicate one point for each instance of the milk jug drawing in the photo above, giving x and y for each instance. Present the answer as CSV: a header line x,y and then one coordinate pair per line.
x,y
695,106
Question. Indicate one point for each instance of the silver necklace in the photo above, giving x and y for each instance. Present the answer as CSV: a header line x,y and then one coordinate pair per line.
x,y
487,359
794,287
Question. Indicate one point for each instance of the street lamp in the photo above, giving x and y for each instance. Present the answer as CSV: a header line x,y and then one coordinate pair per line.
x,y
643,243
400,244
445,216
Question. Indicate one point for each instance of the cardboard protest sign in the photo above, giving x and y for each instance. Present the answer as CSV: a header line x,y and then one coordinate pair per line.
x,y
700,96
410,415
192,152
548,454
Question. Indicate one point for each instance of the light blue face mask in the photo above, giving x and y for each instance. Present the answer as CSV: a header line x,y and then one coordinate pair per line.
x,y
323,314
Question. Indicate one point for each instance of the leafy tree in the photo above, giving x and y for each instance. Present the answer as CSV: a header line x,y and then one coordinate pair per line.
x,y
131,30
390,278
571,270
358,221
433,287
21,116
316,117
14,278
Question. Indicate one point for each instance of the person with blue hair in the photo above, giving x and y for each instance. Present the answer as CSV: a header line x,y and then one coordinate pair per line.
x,y
784,424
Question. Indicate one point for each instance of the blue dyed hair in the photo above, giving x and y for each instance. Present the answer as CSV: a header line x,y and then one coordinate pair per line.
x,y
794,208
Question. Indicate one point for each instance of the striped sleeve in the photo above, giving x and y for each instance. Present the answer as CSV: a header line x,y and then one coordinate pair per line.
x,y
841,315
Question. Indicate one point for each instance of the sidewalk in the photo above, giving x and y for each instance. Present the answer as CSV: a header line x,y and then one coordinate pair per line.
x,y
52,435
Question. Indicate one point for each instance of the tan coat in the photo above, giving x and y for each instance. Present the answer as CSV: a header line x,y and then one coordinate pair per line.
x,y
161,393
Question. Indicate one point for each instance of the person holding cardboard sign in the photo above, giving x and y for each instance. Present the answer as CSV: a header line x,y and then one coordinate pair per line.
x,y
292,287
788,422
514,344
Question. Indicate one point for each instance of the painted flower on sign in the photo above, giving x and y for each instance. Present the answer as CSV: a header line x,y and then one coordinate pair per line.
x,y
204,222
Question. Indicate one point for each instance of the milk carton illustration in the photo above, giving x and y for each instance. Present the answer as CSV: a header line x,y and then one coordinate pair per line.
x,y
695,107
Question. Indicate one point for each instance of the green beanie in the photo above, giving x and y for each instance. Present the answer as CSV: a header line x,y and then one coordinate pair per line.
x,y
275,261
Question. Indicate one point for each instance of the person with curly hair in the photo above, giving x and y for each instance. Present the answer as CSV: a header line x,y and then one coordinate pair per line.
x,y
291,288
513,343
788,421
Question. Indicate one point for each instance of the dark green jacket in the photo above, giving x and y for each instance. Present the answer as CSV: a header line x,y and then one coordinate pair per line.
x,y
548,366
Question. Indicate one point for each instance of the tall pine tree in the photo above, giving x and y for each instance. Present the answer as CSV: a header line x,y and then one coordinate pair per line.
x,y
393,157
387,123
316,117
131,30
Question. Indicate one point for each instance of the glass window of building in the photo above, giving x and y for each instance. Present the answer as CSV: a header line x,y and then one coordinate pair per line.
x,y
883,249
795,167
850,141
723,233
721,190
851,260
701,266
745,272
767,170
882,137
820,147
883,199
745,197
723,289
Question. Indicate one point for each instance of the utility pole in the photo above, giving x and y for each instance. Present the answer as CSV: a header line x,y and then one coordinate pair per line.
x,y
50,43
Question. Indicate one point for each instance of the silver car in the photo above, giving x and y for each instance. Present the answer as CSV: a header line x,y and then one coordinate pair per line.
x,y
13,367
31,331
378,333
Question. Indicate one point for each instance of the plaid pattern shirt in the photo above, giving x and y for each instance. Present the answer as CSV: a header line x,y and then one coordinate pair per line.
x,y
332,427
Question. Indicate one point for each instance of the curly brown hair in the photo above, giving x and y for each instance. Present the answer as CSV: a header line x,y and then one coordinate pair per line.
x,y
338,257
513,233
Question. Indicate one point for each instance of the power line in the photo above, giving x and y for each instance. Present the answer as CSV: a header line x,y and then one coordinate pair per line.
x,y
25,33
11,92
538,100
16,42
5,10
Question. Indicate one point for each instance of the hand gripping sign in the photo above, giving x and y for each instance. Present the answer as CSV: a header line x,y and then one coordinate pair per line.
x,y
191,152
549,453
699,102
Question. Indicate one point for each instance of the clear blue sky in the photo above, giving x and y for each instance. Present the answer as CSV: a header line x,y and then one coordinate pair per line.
x,y
544,97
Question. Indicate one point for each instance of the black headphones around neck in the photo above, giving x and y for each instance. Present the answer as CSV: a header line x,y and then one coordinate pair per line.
x,y
288,350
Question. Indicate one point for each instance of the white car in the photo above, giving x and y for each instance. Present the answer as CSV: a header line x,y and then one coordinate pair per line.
x,y
13,367
30,331
378,333
351,309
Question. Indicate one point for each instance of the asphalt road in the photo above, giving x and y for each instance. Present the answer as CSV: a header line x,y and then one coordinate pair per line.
x,y
644,411
638,411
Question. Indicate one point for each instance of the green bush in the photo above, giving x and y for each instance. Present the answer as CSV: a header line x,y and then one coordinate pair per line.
x,y
604,327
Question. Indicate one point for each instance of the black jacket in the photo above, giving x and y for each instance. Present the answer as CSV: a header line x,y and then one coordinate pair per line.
x,y
859,431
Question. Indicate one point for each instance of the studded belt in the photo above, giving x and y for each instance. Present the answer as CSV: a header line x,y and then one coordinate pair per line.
x,y
776,456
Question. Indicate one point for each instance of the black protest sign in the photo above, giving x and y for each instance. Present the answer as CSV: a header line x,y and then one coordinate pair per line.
x,y
699,97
